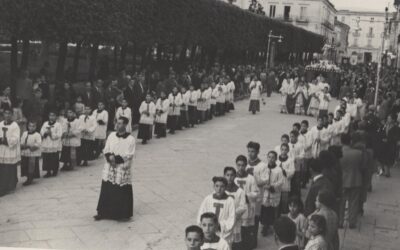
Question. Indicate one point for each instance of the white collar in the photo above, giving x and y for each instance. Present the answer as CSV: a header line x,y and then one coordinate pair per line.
x,y
315,178
287,245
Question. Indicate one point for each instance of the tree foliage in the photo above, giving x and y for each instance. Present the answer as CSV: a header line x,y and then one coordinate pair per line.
x,y
208,23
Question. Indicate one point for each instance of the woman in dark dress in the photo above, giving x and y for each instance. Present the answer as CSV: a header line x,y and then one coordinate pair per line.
x,y
389,135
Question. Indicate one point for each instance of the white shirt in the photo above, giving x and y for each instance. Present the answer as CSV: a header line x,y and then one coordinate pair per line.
x,y
52,143
147,112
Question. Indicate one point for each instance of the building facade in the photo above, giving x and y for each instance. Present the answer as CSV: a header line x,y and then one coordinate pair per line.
x,y
366,32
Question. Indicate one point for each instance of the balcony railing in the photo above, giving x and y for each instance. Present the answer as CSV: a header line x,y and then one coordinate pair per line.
x,y
285,19
356,34
301,19
328,25
370,35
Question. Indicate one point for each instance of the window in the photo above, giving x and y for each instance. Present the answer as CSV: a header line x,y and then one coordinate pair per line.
x,y
355,43
286,13
303,12
272,10
371,30
343,19
372,20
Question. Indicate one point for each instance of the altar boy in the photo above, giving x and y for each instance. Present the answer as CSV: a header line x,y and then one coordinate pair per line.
x,y
88,125
51,143
71,141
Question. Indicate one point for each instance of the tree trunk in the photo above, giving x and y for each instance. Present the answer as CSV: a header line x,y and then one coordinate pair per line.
x,y
14,64
122,57
94,51
159,52
45,51
115,59
62,57
193,53
134,53
77,58
25,54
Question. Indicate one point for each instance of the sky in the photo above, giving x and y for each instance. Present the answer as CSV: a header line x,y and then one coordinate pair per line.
x,y
372,5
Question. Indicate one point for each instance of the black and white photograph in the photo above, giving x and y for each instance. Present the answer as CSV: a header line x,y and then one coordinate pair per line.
x,y
200,124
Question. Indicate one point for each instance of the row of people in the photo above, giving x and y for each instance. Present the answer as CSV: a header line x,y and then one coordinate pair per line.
x,y
262,192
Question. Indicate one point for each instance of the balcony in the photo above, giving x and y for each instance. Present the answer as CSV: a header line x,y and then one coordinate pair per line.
x,y
302,20
285,19
328,25
356,34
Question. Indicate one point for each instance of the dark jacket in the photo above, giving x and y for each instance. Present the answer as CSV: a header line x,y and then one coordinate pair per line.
x,y
352,167
321,183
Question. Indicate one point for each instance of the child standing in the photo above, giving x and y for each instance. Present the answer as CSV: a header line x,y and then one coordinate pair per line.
x,y
255,95
214,96
248,184
88,124
209,223
18,116
79,107
175,102
231,90
287,165
301,96
162,107
147,112
100,134
324,99
125,111
192,106
295,214
284,90
30,153
184,117
194,237
316,229
51,145
239,197
71,141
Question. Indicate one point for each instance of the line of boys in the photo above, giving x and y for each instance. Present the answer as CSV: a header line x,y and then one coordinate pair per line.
x,y
184,108
260,191
71,140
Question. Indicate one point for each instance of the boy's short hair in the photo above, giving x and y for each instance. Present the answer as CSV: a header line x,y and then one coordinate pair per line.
x,y
194,229
216,179
285,145
345,139
315,165
297,125
241,158
296,201
229,168
286,136
285,230
274,153
209,215
305,122
295,133
124,120
254,145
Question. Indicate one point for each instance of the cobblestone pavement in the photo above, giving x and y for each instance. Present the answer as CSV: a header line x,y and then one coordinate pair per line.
x,y
170,178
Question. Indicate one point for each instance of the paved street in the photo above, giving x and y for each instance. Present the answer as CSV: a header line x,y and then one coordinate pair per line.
x,y
170,178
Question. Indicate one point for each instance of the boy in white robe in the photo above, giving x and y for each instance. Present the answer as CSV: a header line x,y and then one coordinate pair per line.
x,y
51,132
286,164
284,90
304,139
209,224
221,97
255,95
192,106
184,117
100,134
124,111
231,90
296,150
10,153
71,141
147,112
318,137
324,99
214,97
270,179
194,237
30,153
248,184
222,205
284,140
175,103
162,108
88,125
239,197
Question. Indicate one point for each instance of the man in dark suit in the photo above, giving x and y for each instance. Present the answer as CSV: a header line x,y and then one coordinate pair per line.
x,y
139,93
285,232
90,98
319,182
352,169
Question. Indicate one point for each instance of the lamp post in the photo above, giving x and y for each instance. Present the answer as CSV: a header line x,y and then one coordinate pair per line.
x,y
397,38
271,36
378,72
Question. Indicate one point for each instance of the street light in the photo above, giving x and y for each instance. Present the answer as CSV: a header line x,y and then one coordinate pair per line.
x,y
271,36
378,72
